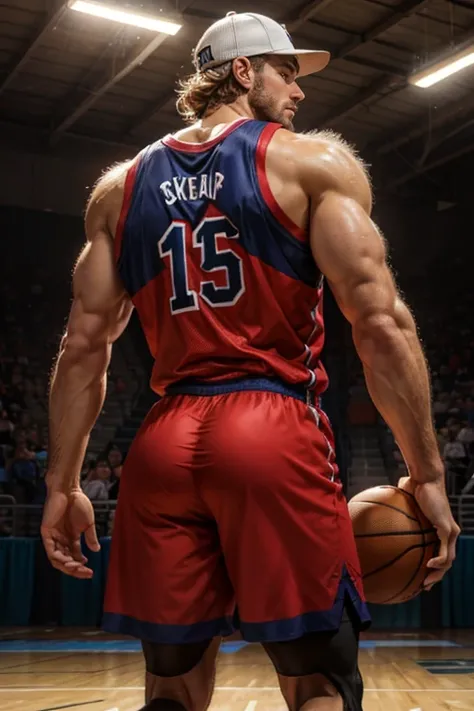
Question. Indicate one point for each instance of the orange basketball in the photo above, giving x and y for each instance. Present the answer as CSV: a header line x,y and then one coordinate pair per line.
x,y
394,540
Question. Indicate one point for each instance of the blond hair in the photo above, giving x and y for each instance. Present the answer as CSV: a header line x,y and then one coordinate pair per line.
x,y
205,91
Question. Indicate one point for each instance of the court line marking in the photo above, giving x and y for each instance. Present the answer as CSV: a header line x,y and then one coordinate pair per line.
x,y
26,663
6,689
73,706
251,706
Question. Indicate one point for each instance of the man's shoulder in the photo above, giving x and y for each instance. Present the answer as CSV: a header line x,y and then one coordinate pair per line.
x,y
112,179
107,194
324,161
319,142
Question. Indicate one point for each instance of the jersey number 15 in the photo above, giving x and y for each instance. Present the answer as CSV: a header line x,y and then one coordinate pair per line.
x,y
173,245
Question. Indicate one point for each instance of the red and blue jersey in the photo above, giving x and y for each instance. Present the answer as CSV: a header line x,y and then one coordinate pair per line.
x,y
227,491
224,283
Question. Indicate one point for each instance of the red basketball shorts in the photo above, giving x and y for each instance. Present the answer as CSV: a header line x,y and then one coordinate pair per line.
x,y
231,516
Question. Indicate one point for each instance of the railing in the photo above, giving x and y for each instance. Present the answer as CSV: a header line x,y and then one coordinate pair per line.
x,y
25,520
463,511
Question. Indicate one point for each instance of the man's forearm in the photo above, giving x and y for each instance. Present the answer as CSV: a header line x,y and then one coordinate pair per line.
x,y
398,382
76,398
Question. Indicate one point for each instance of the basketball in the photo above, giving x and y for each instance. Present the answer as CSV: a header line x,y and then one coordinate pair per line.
x,y
394,541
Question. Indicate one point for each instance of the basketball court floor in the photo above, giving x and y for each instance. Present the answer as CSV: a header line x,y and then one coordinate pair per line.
x,y
49,670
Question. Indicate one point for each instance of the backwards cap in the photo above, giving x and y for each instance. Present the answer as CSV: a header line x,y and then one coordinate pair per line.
x,y
247,34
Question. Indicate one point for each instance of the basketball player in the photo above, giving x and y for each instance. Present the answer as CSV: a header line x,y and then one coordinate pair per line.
x,y
231,512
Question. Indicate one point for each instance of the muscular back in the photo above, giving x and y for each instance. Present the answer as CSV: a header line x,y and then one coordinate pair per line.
x,y
300,169
323,188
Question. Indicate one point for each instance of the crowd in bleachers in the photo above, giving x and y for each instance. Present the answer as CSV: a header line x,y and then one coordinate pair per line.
x,y
453,411
31,322
445,317
101,479
23,390
38,252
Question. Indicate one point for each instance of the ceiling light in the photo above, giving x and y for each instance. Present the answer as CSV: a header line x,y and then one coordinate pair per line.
x,y
443,69
127,18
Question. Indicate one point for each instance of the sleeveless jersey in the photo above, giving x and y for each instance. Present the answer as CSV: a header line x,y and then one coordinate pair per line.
x,y
223,281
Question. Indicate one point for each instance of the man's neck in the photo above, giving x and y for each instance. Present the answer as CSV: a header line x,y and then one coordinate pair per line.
x,y
204,130
227,114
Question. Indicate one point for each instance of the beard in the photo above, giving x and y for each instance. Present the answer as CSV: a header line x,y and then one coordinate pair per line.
x,y
264,106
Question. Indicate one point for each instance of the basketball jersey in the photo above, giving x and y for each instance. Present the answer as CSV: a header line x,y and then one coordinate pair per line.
x,y
224,283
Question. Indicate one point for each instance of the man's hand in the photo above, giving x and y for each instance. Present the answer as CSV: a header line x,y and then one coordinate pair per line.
x,y
433,501
65,517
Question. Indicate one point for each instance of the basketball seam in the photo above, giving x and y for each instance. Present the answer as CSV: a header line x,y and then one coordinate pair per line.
x,y
420,563
395,533
389,506
397,488
394,560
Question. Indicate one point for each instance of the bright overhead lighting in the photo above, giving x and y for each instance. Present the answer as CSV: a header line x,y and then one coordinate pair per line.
x,y
127,18
443,69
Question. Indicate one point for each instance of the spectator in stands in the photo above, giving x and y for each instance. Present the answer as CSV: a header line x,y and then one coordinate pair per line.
x,y
454,426
456,460
41,458
87,471
442,437
440,409
96,484
122,394
466,437
4,475
23,472
469,486
120,385
457,408
447,378
454,450
16,398
6,428
115,461
32,437
463,377
470,410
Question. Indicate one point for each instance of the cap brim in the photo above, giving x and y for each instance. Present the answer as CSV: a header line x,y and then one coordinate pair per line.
x,y
310,60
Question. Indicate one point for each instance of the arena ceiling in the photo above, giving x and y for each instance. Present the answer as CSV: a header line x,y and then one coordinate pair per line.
x,y
64,74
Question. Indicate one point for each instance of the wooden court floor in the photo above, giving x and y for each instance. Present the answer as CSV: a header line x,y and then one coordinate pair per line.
x,y
86,670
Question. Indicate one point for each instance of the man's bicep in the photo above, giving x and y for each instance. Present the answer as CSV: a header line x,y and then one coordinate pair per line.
x,y
350,252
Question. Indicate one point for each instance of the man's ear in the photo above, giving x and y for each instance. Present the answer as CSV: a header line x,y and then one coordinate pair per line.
x,y
243,72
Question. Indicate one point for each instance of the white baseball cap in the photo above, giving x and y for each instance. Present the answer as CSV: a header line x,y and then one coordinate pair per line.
x,y
247,34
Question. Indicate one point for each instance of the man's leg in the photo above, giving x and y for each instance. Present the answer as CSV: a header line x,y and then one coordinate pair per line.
x,y
180,677
283,521
167,583
319,672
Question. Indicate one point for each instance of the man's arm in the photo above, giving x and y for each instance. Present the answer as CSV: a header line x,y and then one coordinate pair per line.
x,y
99,314
350,252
